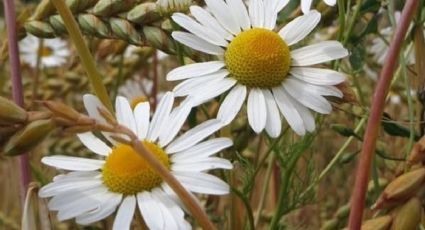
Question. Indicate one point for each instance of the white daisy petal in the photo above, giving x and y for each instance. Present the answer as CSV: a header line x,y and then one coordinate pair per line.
x,y
72,163
150,210
92,103
288,110
306,115
330,2
313,101
199,182
317,76
175,122
240,13
193,136
209,21
67,199
232,104
305,6
318,53
224,15
256,13
82,204
208,92
194,70
199,30
257,111
94,144
203,149
190,85
69,185
141,115
300,27
174,210
169,220
125,214
200,165
273,124
197,43
161,116
106,208
124,113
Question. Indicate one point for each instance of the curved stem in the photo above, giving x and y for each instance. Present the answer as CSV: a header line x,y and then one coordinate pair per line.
x,y
10,16
85,56
371,134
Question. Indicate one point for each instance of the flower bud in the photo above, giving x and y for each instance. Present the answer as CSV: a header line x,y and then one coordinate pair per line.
x,y
144,13
28,138
40,29
10,113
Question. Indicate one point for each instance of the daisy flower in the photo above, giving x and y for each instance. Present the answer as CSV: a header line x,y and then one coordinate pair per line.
x,y
138,90
53,52
122,180
380,45
306,4
257,62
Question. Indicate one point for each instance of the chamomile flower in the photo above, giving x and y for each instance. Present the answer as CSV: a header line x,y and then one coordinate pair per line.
x,y
380,45
306,4
122,180
53,52
259,63
138,89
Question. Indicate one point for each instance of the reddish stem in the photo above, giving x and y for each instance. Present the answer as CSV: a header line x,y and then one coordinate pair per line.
x,y
373,125
10,16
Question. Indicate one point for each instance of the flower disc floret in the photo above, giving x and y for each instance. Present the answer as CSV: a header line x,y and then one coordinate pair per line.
x,y
258,58
126,172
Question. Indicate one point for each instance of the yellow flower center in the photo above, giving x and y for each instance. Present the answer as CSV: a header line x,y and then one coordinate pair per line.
x,y
258,58
45,51
126,172
135,101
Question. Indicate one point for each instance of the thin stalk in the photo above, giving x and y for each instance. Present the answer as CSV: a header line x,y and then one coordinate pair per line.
x,y
85,56
334,160
353,21
410,107
10,16
373,125
264,192
155,80
341,18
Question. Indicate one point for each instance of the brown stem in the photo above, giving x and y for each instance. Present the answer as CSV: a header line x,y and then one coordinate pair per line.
x,y
373,125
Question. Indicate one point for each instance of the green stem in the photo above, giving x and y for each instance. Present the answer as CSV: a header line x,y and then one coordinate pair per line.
x,y
334,160
341,17
85,56
352,22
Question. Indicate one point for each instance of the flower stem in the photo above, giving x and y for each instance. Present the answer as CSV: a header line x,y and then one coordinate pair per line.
x,y
85,56
10,16
371,134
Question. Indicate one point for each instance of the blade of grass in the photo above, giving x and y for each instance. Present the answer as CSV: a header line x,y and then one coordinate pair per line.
x,y
85,56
